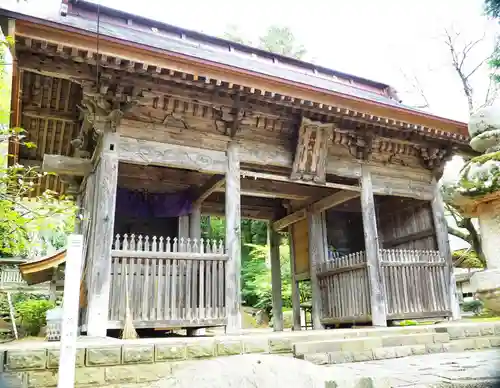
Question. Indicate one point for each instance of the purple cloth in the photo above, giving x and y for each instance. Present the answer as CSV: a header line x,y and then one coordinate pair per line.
x,y
139,204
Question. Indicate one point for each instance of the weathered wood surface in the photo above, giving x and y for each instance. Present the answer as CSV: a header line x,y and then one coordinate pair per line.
x,y
406,224
183,226
274,252
345,289
414,283
173,282
443,244
233,238
66,165
317,207
316,256
311,153
294,283
215,182
377,297
100,279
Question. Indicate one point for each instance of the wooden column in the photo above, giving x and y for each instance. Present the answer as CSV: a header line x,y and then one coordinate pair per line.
x,y
295,284
316,253
100,280
441,228
233,238
183,226
274,251
195,222
377,292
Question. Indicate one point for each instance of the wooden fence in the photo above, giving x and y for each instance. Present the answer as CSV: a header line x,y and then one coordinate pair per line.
x,y
171,282
414,285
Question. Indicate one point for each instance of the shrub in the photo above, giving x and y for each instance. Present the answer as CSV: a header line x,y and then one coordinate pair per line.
x,y
32,314
473,306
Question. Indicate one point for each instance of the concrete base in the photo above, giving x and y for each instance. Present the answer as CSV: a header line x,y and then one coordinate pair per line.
x,y
487,286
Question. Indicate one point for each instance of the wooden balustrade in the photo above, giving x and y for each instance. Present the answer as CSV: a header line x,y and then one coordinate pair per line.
x,y
171,282
414,283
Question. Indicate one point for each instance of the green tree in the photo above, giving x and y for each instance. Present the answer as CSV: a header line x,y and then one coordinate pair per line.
x,y
276,39
492,8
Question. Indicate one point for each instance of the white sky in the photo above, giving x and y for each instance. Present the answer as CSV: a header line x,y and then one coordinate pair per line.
x,y
374,39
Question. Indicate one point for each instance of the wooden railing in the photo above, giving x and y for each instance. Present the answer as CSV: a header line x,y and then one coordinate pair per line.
x,y
345,292
415,283
11,275
171,282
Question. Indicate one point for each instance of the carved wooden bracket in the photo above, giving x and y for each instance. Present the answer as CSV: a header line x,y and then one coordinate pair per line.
x,y
312,149
435,158
231,119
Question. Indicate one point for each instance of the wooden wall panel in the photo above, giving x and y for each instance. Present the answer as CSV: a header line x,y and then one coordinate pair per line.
x,y
406,225
300,233
345,231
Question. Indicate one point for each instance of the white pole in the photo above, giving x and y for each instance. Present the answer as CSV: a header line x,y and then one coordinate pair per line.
x,y
72,278
12,315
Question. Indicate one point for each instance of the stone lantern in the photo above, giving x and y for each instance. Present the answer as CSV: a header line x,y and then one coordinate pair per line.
x,y
476,193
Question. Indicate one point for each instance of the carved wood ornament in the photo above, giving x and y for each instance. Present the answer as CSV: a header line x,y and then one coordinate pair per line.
x,y
309,163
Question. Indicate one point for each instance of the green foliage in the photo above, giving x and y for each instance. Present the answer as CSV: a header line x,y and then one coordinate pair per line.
x,y
277,39
473,306
492,8
32,314
467,258
408,323
16,298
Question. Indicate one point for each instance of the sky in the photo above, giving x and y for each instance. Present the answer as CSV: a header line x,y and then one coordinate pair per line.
x,y
391,41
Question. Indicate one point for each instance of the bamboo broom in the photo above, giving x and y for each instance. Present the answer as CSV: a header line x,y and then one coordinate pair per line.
x,y
129,331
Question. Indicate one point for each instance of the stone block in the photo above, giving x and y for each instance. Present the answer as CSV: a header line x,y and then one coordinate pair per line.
x,y
494,342
229,348
441,338
403,351
109,355
487,330
340,357
126,374
456,332
496,326
418,350
170,352
464,344
482,343
53,358
39,379
255,345
424,339
280,345
361,345
434,348
154,372
202,349
317,358
135,354
89,376
384,353
14,379
26,359
472,331
366,355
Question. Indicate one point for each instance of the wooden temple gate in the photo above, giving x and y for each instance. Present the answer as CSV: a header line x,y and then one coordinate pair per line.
x,y
243,133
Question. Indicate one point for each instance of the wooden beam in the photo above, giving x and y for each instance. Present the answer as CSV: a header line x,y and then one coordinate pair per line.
x,y
48,114
66,165
213,184
317,207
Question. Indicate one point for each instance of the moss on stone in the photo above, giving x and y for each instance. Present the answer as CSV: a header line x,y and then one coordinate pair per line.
x,y
479,160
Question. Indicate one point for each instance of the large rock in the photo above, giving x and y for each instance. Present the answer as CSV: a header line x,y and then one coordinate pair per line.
x,y
248,371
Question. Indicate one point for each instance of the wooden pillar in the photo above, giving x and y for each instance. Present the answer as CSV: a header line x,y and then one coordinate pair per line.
x,y
377,292
441,228
295,284
274,250
100,281
183,226
233,238
316,252
195,223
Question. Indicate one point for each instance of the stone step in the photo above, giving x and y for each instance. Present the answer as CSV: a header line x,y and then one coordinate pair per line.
x,y
384,353
368,343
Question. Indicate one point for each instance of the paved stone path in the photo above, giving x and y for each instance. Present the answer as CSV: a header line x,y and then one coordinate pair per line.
x,y
468,369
